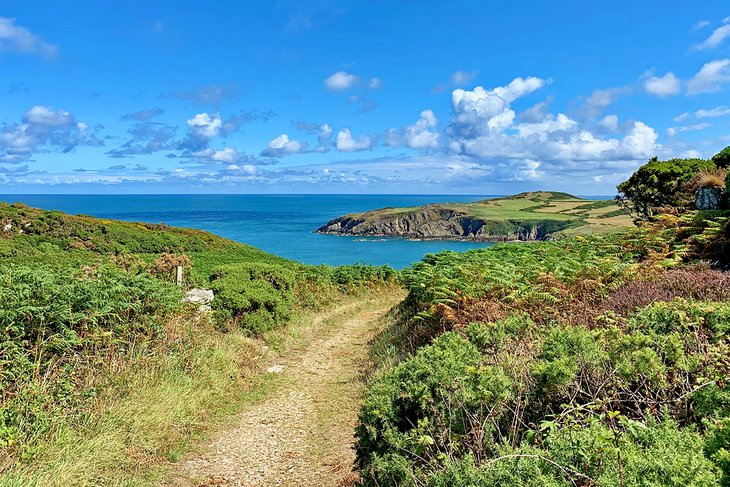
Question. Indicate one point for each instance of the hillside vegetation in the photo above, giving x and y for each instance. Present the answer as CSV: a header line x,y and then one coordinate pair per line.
x,y
588,361
526,216
104,371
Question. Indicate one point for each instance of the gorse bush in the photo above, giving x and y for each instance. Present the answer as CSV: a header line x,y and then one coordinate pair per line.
x,y
596,361
257,297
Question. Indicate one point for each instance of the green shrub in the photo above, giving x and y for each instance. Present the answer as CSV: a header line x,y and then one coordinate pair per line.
x,y
258,297
660,184
722,158
52,320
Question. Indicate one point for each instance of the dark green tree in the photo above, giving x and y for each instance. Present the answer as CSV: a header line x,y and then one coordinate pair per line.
x,y
722,158
659,184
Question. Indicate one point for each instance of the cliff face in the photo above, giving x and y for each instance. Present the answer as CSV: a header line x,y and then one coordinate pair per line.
x,y
435,223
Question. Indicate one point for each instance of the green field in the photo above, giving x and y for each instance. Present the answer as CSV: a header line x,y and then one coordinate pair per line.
x,y
562,213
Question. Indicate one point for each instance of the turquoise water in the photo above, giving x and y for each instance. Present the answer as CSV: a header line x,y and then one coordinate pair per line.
x,y
281,224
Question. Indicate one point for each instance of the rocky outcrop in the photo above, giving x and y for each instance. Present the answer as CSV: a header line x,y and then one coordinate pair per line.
x,y
437,223
710,198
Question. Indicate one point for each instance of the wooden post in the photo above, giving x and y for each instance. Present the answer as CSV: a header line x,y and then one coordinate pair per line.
x,y
179,275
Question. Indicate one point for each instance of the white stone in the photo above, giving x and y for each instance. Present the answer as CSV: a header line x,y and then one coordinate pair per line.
x,y
199,296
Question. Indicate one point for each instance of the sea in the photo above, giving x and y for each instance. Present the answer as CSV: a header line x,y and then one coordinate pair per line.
x,y
280,224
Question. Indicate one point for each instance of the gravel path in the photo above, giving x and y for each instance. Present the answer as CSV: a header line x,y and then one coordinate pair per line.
x,y
302,434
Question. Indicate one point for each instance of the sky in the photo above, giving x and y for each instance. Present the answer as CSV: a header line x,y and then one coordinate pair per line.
x,y
375,96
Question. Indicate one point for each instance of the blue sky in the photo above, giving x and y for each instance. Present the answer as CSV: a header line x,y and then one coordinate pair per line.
x,y
355,96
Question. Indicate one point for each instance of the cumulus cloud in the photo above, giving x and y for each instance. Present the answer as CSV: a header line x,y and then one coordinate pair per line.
x,y
483,127
147,137
43,129
211,95
662,86
347,143
14,38
205,125
717,37
283,146
710,78
341,80
481,111
421,135
537,112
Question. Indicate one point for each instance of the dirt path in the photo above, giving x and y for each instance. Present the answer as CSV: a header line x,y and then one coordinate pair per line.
x,y
303,433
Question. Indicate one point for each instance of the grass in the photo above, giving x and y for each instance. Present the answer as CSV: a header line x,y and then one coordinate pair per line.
x,y
564,213
106,376
163,405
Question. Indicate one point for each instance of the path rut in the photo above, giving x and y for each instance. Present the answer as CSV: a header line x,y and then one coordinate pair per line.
x,y
302,434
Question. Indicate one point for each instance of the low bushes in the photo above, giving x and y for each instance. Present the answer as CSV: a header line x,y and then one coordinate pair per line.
x,y
50,320
590,361
256,297
261,296
574,403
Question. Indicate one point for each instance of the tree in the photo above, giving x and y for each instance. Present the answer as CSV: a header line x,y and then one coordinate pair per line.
x,y
659,184
722,158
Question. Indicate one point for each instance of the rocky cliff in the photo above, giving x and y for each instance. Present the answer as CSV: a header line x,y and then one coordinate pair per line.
x,y
432,222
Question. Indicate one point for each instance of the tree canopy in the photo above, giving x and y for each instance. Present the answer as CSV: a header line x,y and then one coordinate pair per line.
x,y
659,184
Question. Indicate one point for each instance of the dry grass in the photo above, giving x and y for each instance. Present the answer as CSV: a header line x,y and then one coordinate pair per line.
x,y
708,179
156,408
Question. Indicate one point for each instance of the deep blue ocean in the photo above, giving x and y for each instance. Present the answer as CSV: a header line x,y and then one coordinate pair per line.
x,y
281,224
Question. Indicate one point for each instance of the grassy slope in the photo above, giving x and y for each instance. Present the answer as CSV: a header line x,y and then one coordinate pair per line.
x,y
105,408
41,236
585,216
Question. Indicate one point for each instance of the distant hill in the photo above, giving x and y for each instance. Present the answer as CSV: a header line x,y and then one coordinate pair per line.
x,y
534,215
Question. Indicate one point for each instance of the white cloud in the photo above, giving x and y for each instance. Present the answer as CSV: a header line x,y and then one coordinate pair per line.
x,y
462,78
710,78
682,117
283,146
712,112
375,83
205,125
347,143
601,99
609,123
417,136
324,138
717,37
42,115
700,24
542,130
529,172
536,113
341,80
662,86
672,131
227,154
43,129
483,111
15,38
